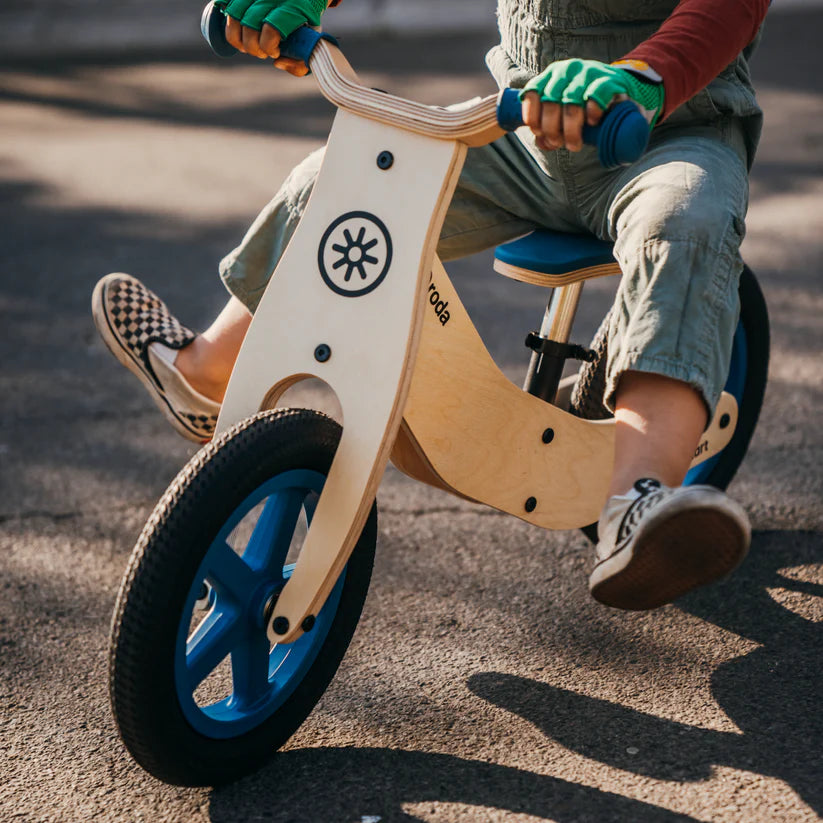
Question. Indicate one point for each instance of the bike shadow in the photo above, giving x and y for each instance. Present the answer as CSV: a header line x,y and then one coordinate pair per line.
x,y
357,784
771,694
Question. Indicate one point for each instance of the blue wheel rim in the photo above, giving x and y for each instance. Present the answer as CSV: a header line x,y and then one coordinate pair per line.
x,y
735,385
242,582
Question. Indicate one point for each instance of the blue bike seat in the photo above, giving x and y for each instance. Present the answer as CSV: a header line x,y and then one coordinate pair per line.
x,y
552,258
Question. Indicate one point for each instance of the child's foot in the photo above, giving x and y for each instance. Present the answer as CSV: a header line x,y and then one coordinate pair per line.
x,y
144,336
658,543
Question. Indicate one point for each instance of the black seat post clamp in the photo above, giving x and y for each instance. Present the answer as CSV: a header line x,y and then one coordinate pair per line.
x,y
567,351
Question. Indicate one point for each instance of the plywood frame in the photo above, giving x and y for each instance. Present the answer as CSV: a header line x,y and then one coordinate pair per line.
x,y
469,430
372,336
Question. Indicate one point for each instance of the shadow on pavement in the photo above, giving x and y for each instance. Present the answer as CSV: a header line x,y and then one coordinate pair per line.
x,y
308,115
81,85
350,784
771,694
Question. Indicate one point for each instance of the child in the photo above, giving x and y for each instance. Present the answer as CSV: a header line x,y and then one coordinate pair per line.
x,y
676,218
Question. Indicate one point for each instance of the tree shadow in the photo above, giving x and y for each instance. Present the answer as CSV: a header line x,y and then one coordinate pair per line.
x,y
772,694
351,784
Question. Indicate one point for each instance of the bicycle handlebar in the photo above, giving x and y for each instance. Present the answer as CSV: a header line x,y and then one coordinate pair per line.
x,y
621,137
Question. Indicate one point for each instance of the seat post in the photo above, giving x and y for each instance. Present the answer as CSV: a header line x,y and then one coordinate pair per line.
x,y
546,370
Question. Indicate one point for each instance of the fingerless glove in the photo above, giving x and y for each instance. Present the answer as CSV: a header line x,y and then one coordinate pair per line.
x,y
578,81
285,15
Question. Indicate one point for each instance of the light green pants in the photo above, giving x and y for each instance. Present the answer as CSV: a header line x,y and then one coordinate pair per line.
x,y
676,218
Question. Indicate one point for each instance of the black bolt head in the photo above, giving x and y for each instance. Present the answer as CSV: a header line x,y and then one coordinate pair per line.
x,y
280,625
322,353
531,504
308,623
548,436
724,421
385,160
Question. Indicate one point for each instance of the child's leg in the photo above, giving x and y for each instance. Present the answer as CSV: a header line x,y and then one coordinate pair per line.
x,y
499,196
659,423
677,216
207,361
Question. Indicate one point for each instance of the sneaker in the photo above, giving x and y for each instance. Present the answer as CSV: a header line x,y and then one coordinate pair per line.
x,y
145,337
658,543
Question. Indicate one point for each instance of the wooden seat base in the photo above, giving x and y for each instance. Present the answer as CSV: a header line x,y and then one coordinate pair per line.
x,y
553,281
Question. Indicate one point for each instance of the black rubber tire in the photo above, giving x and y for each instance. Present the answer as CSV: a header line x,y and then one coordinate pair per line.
x,y
159,576
587,395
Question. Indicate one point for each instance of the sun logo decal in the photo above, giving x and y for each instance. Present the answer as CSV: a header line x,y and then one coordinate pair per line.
x,y
355,254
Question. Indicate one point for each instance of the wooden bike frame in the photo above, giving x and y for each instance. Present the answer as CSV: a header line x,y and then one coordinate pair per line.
x,y
360,301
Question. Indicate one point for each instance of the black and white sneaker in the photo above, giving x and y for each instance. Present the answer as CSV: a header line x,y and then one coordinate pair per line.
x,y
658,543
144,336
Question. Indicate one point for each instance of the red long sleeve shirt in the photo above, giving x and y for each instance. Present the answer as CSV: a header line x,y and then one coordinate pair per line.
x,y
696,42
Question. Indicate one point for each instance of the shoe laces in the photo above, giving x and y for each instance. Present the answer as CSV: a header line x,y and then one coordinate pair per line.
x,y
651,493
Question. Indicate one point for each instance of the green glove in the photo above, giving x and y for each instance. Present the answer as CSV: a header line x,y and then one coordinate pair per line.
x,y
577,81
285,15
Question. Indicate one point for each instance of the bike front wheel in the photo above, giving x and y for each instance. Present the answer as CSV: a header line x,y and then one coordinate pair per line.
x,y
199,694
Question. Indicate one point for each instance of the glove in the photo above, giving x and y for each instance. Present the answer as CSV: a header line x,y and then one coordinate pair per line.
x,y
578,81
285,15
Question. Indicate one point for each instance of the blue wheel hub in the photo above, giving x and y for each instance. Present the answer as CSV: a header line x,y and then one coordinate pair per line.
x,y
244,582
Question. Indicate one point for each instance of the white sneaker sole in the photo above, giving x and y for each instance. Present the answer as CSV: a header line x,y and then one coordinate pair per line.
x,y
696,537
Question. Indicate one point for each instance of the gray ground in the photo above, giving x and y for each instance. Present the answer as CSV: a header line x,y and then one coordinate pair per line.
x,y
483,684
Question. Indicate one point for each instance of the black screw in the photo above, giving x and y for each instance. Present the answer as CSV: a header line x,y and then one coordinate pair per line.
x,y
548,435
280,625
724,421
322,353
531,504
308,623
385,160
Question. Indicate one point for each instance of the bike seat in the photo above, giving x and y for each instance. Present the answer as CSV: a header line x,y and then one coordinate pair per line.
x,y
553,258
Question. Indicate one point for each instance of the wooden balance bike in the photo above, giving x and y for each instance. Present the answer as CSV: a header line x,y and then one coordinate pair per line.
x,y
247,582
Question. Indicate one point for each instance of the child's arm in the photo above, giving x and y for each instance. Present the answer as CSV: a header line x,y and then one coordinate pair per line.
x,y
692,46
696,42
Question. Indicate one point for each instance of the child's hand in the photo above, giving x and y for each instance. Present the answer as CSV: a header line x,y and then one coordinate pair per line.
x,y
557,126
569,93
257,27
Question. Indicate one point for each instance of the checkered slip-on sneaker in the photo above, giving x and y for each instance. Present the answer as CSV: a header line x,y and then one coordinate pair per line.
x,y
658,543
130,318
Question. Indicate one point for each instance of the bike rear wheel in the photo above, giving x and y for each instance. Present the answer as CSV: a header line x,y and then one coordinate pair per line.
x,y
199,694
748,373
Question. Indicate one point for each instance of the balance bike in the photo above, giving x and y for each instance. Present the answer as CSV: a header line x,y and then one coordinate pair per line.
x,y
248,580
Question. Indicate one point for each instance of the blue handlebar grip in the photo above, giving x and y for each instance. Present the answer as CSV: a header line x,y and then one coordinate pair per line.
x,y
299,45
509,110
621,136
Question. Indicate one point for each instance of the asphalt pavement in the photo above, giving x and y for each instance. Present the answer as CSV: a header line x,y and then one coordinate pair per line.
x,y
483,683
